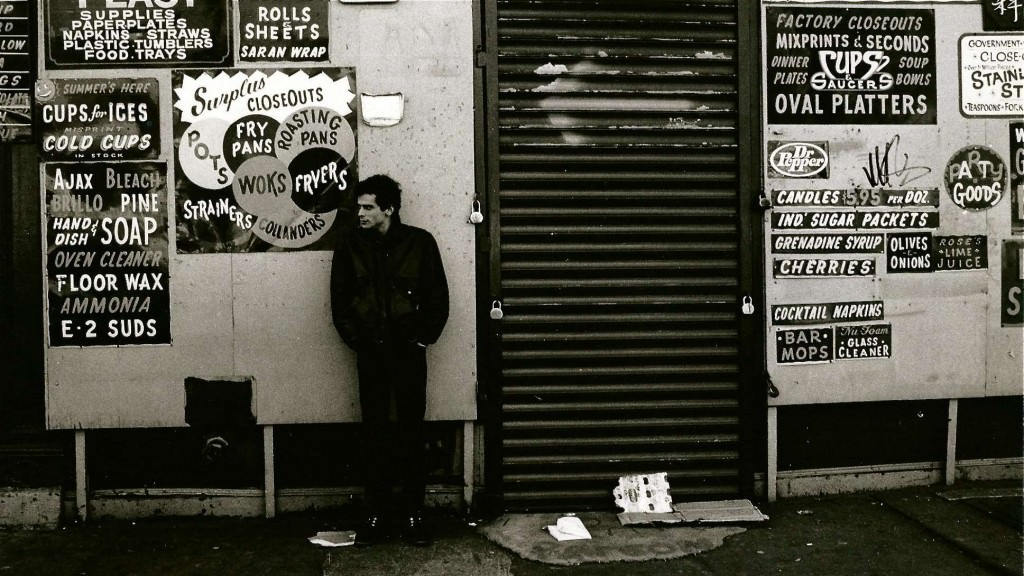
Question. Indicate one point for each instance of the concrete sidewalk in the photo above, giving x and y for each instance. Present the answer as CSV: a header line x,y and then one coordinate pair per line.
x,y
971,528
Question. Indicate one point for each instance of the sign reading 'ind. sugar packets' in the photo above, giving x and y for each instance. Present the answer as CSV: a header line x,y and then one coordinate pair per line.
x,y
879,220
827,312
856,198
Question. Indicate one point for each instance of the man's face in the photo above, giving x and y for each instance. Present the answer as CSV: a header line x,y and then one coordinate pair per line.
x,y
371,217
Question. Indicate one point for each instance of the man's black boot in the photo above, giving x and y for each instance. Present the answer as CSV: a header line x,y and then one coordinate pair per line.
x,y
371,532
415,533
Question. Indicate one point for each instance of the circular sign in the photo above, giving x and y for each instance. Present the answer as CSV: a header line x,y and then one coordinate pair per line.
x,y
976,178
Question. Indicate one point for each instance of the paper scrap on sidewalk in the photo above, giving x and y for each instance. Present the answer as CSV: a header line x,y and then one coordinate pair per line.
x,y
569,528
334,539
720,511
643,493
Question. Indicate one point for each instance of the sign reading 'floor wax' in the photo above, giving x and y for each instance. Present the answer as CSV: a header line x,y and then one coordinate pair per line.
x,y
266,161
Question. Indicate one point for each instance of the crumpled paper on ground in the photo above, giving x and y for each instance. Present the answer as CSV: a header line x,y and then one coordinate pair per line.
x,y
569,528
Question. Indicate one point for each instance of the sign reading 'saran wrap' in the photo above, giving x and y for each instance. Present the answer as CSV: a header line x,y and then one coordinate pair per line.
x,y
283,30
266,160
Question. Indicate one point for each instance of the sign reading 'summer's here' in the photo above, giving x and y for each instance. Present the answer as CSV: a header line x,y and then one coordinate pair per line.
x,y
106,260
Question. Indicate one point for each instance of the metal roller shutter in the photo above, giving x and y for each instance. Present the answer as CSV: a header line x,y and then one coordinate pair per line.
x,y
618,247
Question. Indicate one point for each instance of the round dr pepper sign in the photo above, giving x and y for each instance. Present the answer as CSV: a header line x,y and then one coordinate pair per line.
x,y
975,178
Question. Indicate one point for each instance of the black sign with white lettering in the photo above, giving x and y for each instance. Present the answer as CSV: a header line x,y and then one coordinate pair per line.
x,y
828,243
823,267
1012,300
856,198
17,69
874,219
803,346
910,252
98,118
106,260
1017,177
283,30
863,341
959,253
109,34
850,66
827,312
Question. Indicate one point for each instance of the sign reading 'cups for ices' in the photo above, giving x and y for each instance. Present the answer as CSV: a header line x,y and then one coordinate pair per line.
x,y
976,178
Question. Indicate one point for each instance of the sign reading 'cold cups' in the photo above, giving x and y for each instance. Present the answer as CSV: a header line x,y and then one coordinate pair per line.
x,y
266,160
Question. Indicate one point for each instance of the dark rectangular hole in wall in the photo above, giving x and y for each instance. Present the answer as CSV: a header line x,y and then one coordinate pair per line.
x,y
990,428
861,434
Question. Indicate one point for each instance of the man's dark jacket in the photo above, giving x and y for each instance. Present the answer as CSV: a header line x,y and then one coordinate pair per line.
x,y
389,288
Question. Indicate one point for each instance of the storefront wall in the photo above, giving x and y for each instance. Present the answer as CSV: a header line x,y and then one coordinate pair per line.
x,y
892,141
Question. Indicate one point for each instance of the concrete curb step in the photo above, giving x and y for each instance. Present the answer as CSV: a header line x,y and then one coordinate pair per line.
x,y
987,539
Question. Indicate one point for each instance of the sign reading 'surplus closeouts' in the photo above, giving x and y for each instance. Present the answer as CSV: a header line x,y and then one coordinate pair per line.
x,y
850,66
265,160
126,33
106,258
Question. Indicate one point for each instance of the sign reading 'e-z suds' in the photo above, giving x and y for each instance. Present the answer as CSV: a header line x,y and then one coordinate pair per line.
x,y
106,258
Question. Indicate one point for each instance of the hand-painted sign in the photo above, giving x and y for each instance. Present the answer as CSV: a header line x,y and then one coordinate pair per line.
x,y
822,267
98,118
798,159
992,75
122,34
908,252
283,30
874,219
863,341
828,243
264,160
850,66
828,312
959,253
17,69
106,261
1002,15
1017,177
853,198
1012,305
976,178
803,346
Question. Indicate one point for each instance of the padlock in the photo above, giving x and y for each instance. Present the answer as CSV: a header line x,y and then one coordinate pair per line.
x,y
496,312
748,305
476,216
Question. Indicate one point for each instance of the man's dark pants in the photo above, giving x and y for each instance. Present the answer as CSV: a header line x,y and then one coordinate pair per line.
x,y
393,374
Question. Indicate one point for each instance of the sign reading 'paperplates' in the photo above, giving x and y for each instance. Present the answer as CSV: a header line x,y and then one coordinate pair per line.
x,y
265,161
108,34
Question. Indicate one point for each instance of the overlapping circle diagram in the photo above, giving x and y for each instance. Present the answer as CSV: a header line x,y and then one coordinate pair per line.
x,y
289,174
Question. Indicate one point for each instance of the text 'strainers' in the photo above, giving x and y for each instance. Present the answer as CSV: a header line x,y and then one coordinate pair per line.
x,y
415,533
371,532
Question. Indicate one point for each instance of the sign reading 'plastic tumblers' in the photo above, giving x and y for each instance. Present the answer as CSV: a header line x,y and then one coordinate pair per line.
x,y
976,178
